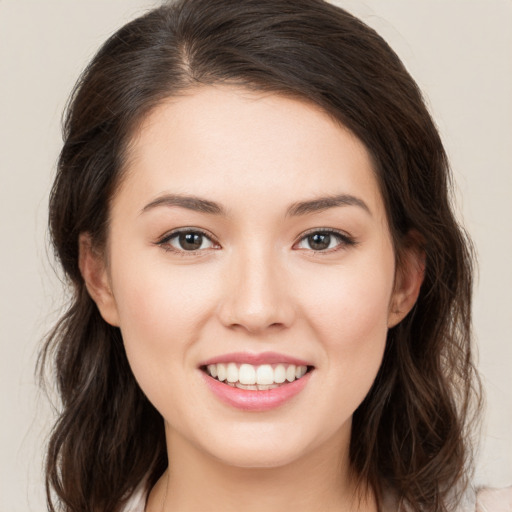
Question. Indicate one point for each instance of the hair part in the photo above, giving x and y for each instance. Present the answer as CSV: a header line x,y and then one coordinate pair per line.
x,y
411,430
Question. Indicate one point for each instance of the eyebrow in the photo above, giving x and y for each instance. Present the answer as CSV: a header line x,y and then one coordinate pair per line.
x,y
324,203
189,202
296,209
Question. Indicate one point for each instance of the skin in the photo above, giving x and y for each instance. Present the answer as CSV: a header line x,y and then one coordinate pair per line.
x,y
257,286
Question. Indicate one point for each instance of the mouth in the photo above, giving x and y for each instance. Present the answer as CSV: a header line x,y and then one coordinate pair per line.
x,y
260,377
256,382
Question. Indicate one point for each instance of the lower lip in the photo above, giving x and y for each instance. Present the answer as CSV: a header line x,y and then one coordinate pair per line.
x,y
250,400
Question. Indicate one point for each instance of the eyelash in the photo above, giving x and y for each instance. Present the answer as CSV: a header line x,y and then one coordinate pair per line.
x,y
344,240
164,242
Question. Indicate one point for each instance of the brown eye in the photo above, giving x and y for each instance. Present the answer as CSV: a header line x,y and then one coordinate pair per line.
x,y
325,241
190,241
319,241
187,241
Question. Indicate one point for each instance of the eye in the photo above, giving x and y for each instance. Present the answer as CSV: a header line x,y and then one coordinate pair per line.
x,y
324,241
187,240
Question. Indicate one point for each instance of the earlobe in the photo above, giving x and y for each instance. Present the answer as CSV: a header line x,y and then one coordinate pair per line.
x,y
408,281
94,272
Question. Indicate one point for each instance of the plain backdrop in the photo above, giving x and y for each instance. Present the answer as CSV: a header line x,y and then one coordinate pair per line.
x,y
460,53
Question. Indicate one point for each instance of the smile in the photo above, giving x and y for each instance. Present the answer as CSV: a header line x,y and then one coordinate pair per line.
x,y
256,382
255,378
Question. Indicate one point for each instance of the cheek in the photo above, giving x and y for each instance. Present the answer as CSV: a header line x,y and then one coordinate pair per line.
x,y
351,325
350,301
349,315
161,310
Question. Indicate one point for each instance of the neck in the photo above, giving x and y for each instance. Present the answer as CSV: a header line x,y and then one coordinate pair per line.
x,y
318,481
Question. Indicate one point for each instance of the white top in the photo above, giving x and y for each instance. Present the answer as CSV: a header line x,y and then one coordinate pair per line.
x,y
483,500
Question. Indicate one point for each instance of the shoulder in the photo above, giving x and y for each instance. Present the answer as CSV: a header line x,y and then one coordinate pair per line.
x,y
137,501
494,500
484,499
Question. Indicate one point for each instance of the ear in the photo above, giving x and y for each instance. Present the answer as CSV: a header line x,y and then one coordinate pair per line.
x,y
93,268
408,279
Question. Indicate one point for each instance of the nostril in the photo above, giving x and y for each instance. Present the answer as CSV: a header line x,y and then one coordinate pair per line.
x,y
253,326
255,306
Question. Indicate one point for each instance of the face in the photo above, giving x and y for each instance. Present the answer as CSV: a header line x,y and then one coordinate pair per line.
x,y
248,241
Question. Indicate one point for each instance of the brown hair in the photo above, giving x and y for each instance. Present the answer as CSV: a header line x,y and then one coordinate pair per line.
x,y
411,431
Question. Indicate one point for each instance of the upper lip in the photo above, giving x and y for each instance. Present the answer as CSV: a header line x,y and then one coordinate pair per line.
x,y
255,359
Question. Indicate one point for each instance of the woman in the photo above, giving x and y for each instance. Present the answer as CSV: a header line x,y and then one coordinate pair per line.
x,y
271,295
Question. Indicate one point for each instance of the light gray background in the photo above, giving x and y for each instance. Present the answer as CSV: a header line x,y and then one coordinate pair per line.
x,y
459,51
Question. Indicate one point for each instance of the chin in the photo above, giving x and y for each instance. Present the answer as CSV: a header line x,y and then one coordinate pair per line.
x,y
264,445
258,457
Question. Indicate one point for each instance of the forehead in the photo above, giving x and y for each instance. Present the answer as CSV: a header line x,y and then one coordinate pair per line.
x,y
233,145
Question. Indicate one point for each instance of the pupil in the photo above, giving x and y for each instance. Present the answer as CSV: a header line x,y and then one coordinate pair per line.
x,y
319,241
190,241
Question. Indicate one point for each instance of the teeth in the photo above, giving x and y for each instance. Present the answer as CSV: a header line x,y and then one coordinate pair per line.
x,y
256,387
232,373
212,370
290,373
265,374
279,374
300,371
221,372
247,376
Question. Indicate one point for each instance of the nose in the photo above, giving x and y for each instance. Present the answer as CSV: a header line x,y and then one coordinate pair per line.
x,y
256,295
